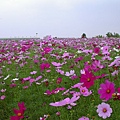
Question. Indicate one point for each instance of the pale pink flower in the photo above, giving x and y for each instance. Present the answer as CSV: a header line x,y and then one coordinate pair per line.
x,y
3,90
104,110
66,101
56,64
58,113
78,85
82,71
115,73
38,78
84,91
33,72
2,97
25,87
31,81
70,73
83,118
48,70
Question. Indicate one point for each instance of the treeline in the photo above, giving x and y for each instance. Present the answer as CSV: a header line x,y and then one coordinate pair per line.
x,y
109,34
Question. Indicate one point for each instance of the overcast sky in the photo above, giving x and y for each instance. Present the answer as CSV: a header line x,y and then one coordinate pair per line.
x,y
60,18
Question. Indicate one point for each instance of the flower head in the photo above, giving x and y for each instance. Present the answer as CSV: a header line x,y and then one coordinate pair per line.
x,y
106,90
19,112
44,66
84,91
47,50
83,118
2,97
88,79
104,110
96,50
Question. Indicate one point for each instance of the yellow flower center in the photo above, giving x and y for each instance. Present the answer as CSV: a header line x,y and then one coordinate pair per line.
x,y
88,79
104,110
108,91
83,91
19,114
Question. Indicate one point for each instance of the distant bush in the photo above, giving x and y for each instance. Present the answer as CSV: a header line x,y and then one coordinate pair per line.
x,y
116,35
99,36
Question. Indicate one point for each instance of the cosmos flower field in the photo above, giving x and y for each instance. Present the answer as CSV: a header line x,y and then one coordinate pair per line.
x,y
60,79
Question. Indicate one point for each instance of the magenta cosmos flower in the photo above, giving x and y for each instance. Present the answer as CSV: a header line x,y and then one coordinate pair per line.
x,y
96,50
104,110
47,50
106,90
44,66
19,112
88,79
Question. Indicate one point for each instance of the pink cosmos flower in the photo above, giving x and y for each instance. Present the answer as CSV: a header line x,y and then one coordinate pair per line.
x,y
116,62
96,65
25,87
87,51
67,91
84,91
106,58
78,59
115,73
118,89
44,66
12,85
70,73
105,49
36,61
65,55
58,113
2,97
38,78
3,90
48,71
31,81
75,94
88,79
66,101
44,118
33,72
104,110
106,90
60,71
56,64
59,80
83,118
82,71
101,76
78,85
47,50
96,50
74,77
27,78
87,66
55,91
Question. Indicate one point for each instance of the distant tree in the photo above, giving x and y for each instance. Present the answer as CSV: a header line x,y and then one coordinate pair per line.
x,y
109,34
99,36
83,35
116,35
